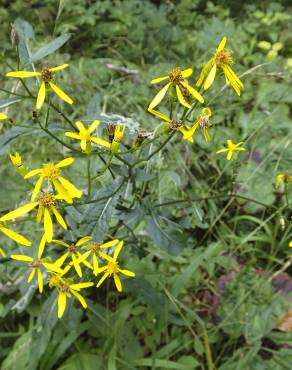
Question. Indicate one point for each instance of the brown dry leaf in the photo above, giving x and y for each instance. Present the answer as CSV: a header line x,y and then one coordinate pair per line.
x,y
286,322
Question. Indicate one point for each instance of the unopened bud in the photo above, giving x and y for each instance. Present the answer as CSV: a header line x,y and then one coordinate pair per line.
x,y
14,37
139,140
17,162
111,131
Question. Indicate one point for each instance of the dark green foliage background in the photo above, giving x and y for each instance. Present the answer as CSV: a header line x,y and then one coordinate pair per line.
x,y
204,265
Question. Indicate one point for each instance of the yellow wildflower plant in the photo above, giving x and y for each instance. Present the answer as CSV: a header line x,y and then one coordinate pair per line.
x,y
67,290
113,269
3,116
95,250
85,136
231,149
13,235
174,124
221,60
35,264
177,80
47,76
73,252
282,178
46,207
118,136
203,122
52,172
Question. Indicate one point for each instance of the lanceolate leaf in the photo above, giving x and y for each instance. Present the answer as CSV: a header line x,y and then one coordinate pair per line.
x,y
50,47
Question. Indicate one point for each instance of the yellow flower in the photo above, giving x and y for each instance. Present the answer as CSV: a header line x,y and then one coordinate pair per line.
x,y
118,135
46,206
174,124
14,236
35,264
47,76
231,149
52,172
203,122
3,116
221,60
282,178
113,269
16,159
66,290
95,249
85,136
176,80
76,256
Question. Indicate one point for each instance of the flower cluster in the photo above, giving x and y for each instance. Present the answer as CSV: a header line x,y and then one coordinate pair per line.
x,y
52,192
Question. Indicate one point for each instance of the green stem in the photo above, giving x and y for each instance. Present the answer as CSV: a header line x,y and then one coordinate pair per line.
x,y
88,177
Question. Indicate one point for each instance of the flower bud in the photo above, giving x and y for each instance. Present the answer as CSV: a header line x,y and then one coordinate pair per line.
x,y
139,140
118,135
14,37
17,162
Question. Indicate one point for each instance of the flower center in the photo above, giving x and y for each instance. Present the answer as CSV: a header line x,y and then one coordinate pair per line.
x,y
47,75
54,281
95,248
113,267
174,124
175,76
72,248
65,288
36,263
223,57
204,122
51,171
47,200
85,134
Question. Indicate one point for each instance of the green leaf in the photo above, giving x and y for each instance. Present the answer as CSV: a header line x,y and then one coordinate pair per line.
x,y
6,102
18,357
25,32
84,361
50,48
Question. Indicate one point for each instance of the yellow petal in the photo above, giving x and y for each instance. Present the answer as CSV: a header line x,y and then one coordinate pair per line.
x,y
62,193
72,190
101,142
14,236
39,214
93,126
230,155
210,78
187,72
206,135
48,225
59,218
118,282
159,96
3,116
159,114
222,150
19,211
159,79
222,44
233,79
58,68
194,92
76,265
60,242
61,93
79,286
279,180
31,275
37,188
40,281
41,96
80,299
106,257
52,267
23,74
118,249
83,240
80,125
42,246
33,173
95,265
109,244
65,162
204,72
181,98
2,253
21,257
61,304
62,259
73,135
127,272
102,279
